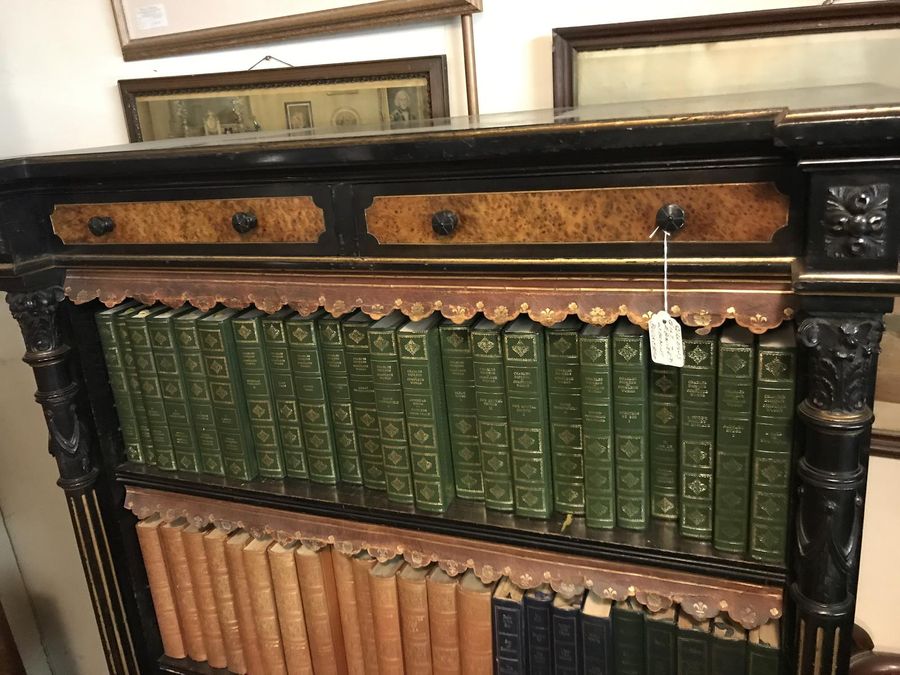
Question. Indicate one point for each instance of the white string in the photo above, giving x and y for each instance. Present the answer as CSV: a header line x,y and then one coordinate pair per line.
x,y
665,271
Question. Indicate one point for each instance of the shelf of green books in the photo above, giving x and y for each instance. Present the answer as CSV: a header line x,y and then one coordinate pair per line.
x,y
659,545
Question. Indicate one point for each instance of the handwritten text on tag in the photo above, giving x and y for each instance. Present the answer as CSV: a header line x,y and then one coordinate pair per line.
x,y
666,346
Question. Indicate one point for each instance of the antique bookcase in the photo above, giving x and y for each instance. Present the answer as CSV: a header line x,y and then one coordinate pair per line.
x,y
787,217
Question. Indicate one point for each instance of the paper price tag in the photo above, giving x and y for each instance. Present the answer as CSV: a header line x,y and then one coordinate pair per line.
x,y
666,345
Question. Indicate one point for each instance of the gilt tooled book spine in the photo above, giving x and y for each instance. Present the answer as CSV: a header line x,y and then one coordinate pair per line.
x,y
510,646
539,631
664,441
476,643
262,600
384,357
315,413
349,608
223,591
628,638
287,407
596,406
425,405
183,588
161,591
201,581
290,605
459,382
597,635
237,574
113,353
567,649
414,629
386,616
133,381
693,646
320,607
362,566
443,622
492,415
661,642
258,394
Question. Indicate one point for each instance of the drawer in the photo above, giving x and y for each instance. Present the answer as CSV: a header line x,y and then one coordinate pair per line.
x,y
749,212
283,219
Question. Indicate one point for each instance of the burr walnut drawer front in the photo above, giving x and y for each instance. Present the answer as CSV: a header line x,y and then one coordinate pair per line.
x,y
729,212
293,219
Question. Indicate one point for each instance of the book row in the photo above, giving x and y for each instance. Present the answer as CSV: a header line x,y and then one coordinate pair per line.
x,y
254,605
573,418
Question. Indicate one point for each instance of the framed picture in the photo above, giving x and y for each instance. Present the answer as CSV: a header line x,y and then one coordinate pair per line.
x,y
339,95
774,54
153,28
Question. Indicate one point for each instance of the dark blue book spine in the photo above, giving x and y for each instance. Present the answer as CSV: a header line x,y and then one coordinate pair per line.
x,y
540,641
596,640
509,637
567,640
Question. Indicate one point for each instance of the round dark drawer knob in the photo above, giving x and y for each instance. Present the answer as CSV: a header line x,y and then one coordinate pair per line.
x,y
243,222
670,218
100,225
444,222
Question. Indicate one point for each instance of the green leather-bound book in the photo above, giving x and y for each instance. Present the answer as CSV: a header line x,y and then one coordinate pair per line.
x,y
223,373
287,407
524,365
694,646
337,383
661,641
664,441
309,381
564,398
697,434
764,649
424,400
384,356
492,416
773,436
734,439
113,353
728,647
187,341
459,382
594,344
173,386
628,637
258,394
362,394
133,381
154,406
631,403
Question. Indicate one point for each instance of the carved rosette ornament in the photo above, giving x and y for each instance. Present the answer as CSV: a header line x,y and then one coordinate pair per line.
x,y
842,351
855,221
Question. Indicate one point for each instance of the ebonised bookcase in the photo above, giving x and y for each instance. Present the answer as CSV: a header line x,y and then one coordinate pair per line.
x,y
788,216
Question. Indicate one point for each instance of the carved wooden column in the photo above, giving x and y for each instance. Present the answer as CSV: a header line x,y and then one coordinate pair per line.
x,y
837,417
46,353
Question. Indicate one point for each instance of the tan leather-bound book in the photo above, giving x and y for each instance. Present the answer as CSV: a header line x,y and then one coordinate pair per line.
x,y
320,606
290,609
237,572
226,610
346,595
442,621
414,630
476,648
362,565
160,588
183,588
262,599
386,612
201,580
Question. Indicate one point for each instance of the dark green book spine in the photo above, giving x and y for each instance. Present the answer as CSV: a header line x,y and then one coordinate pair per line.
x,y
772,444
423,398
187,340
134,382
564,400
459,380
173,387
693,647
631,402
661,643
258,394
698,435
287,407
492,415
362,394
151,393
596,407
229,405
309,381
728,648
385,360
734,439
628,638
337,383
113,353
529,423
664,441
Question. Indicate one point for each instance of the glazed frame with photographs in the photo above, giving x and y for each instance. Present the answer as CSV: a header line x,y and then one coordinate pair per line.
x,y
337,95
153,28
726,55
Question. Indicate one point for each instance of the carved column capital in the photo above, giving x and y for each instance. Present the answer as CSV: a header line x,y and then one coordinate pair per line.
x,y
35,312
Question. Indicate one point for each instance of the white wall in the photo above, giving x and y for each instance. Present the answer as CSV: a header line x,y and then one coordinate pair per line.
x,y
59,64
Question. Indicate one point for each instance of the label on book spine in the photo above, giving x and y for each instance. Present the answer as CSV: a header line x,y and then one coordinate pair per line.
x,y
596,407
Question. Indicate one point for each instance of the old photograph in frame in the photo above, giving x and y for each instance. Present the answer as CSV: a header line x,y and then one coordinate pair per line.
x,y
386,93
